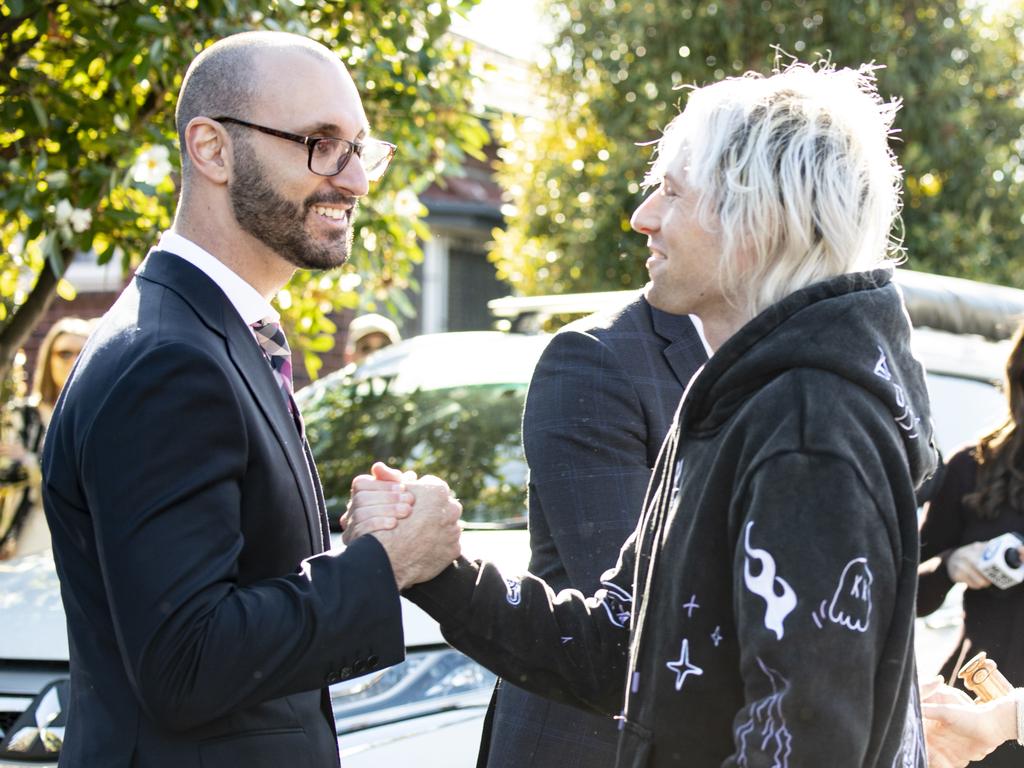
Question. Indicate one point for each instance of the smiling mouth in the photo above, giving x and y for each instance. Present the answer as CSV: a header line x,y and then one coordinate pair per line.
x,y
335,214
654,258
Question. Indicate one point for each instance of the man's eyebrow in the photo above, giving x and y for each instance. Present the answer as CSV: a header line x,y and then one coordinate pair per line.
x,y
333,129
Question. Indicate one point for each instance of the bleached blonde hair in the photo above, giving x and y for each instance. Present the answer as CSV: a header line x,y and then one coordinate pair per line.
x,y
796,173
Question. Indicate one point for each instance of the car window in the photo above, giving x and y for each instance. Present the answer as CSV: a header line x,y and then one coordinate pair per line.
x,y
963,410
467,435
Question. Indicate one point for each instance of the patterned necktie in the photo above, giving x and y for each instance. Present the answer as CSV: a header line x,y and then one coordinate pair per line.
x,y
275,348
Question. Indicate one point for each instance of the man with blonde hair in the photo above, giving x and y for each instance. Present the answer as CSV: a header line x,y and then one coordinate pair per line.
x,y
762,612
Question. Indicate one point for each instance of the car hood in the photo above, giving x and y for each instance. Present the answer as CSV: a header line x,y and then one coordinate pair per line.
x,y
30,610
509,550
32,615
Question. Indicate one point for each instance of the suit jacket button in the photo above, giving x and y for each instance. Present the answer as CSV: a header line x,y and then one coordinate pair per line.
x,y
345,673
373,661
358,666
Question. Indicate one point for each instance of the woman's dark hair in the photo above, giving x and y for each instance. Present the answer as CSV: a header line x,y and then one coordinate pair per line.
x,y
1000,453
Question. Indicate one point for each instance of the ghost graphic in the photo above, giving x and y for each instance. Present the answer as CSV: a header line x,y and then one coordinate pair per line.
x,y
618,604
779,597
851,603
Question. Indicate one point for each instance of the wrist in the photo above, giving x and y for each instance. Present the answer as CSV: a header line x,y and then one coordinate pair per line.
x,y
948,561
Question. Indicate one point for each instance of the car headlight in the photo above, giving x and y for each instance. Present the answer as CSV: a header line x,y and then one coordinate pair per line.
x,y
427,682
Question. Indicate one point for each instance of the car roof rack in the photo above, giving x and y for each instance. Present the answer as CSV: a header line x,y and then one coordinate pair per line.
x,y
949,304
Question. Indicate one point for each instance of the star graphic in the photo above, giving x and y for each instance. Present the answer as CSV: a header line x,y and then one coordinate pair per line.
x,y
690,606
683,667
716,636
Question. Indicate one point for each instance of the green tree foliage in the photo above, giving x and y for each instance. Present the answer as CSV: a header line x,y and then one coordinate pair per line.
x,y
616,81
469,435
88,155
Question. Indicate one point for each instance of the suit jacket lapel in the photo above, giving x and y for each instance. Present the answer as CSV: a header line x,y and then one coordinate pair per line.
x,y
685,352
318,489
213,307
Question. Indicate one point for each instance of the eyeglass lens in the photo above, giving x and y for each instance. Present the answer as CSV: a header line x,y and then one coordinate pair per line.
x,y
330,156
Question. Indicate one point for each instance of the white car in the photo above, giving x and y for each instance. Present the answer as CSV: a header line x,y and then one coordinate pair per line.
x,y
450,404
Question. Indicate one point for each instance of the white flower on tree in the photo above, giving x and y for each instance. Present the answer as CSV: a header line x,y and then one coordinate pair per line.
x,y
407,204
70,218
152,166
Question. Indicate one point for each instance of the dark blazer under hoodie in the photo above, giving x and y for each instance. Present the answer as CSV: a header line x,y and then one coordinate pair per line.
x,y
600,403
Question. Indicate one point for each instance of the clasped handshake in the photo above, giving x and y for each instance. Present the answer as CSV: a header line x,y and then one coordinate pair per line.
x,y
415,519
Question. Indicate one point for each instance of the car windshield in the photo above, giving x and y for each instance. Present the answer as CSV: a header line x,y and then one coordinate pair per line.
x,y
467,435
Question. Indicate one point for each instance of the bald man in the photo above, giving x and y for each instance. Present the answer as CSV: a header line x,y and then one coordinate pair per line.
x,y
205,617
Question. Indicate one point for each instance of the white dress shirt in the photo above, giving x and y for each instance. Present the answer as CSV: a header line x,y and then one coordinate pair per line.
x,y
246,300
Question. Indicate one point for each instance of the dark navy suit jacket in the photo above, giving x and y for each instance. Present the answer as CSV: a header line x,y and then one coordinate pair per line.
x,y
599,406
205,619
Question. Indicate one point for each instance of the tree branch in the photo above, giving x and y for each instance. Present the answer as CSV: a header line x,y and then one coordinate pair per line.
x,y
14,335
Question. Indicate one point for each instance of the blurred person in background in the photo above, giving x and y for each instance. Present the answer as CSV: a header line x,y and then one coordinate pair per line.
x,y
367,334
981,497
25,425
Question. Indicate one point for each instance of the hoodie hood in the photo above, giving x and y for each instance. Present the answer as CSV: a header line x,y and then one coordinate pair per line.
x,y
854,326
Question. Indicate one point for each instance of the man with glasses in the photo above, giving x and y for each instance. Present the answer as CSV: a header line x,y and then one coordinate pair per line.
x,y
205,617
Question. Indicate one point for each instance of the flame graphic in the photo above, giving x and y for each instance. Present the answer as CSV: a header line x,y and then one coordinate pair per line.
x,y
779,605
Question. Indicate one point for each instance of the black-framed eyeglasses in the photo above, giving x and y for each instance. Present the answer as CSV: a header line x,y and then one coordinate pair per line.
x,y
328,155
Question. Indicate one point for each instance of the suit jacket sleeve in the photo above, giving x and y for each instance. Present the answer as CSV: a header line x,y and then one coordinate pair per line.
x,y
165,456
565,647
585,438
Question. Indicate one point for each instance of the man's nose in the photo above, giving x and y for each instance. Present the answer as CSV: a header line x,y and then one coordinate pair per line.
x,y
352,178
645,219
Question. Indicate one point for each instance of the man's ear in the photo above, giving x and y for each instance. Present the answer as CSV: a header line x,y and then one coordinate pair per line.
x,y
209,148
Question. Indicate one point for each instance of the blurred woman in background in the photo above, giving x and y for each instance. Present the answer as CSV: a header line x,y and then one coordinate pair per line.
x,y
25,422
981,497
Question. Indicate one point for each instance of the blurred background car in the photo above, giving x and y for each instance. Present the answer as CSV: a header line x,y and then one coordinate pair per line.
x,y
451,404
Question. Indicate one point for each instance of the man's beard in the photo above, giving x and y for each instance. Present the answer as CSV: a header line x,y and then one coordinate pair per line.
x,y
279,223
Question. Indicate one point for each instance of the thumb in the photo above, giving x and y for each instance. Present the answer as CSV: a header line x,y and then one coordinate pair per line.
x,y
929,687
382,471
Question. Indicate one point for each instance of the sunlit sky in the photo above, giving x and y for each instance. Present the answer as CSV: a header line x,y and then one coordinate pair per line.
x,y
515,27
510,26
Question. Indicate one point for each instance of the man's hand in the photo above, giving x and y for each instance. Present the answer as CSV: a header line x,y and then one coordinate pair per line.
x,y
421,541
962,565
374,505
958,731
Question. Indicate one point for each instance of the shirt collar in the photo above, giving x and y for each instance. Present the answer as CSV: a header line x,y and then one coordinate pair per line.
x,y
246,300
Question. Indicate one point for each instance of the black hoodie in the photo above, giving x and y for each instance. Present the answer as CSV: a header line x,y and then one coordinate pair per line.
x,y
762,613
